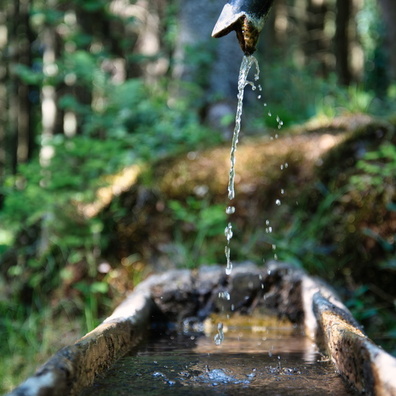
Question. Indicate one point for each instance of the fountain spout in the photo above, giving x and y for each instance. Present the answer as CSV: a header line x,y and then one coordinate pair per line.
x,y
247,18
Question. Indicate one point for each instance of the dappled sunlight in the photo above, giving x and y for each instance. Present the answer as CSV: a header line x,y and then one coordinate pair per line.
x,y
258,162
117,184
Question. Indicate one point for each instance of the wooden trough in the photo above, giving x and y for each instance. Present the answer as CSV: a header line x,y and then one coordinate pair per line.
x,y
173,296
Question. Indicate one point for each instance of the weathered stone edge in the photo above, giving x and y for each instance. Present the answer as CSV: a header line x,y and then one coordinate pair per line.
x,y
75,367
368,368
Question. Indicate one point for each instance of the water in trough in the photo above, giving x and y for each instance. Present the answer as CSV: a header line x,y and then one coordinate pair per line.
x,y
272,361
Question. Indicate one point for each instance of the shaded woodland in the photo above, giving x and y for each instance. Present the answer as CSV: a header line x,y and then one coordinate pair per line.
x,y
115,122
49,51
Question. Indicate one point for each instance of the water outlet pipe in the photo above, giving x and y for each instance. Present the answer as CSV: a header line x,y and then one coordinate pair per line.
x,y
247,18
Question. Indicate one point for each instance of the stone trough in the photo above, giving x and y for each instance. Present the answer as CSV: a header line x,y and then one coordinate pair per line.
x,y
184,298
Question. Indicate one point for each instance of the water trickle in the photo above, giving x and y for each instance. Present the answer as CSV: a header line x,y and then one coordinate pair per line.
x,y
219,337
246,65
227,252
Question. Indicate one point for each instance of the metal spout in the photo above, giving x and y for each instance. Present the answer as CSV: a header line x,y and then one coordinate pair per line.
x,y
247,18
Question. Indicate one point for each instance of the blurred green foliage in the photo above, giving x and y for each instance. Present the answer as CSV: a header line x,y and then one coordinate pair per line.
x,y
199,226
48,247
378,169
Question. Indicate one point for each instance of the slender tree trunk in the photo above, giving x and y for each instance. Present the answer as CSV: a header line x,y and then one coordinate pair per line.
x,y
25,117
347,48
3,93
12,103
388,8
342,40
20,128
316,43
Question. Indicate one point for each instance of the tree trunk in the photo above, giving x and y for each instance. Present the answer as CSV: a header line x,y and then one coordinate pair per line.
x,y
212,64
3,93
25,118
388,8
20,129
316,43
342,41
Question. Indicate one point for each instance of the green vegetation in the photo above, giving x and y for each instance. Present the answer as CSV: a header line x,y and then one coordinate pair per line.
x,y
64,265
199,231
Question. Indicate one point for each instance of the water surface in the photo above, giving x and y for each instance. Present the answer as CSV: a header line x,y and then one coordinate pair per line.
x,y
272,362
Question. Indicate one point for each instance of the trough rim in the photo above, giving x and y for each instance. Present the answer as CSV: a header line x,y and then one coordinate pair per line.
x,y
363,365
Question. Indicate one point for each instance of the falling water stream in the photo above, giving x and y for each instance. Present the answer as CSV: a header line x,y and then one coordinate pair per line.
x,y
246,65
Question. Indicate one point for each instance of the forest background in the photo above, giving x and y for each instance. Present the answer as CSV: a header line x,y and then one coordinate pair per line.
x,y
96,96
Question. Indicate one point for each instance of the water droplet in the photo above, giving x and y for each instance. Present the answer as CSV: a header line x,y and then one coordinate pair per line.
x,y
258,96
282,191
267,222
278,202
265,104
225,295
269,114
228,232
219,337
230,210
